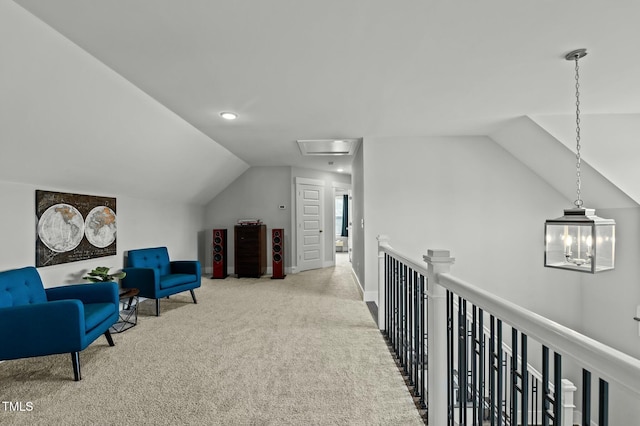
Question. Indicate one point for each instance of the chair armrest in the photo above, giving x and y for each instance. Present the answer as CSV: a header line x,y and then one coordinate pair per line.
x,y
144,279
185,267
50,327
86,293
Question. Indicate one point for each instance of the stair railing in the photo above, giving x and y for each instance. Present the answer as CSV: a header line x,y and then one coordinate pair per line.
x,y
435,340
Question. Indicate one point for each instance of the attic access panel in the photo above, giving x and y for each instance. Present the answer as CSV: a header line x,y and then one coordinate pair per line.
x,y
310,147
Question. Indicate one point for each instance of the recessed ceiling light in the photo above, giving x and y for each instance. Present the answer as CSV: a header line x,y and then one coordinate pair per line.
x,y
340,170
228,115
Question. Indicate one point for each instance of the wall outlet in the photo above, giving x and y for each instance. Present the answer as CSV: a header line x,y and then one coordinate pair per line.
x,y
282,207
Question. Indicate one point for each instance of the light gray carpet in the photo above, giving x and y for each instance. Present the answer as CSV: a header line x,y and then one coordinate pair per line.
x,y
303,350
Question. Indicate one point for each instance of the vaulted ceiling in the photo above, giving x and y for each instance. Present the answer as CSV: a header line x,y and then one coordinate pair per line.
x,y
327,69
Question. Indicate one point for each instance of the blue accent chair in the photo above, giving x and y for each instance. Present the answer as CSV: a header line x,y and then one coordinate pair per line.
x,y
35,321
150,271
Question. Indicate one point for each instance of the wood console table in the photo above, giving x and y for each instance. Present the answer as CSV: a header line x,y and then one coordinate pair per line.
x,y
250,250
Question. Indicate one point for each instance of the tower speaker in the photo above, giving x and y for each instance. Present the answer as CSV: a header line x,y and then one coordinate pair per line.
x,y
277,253
219,254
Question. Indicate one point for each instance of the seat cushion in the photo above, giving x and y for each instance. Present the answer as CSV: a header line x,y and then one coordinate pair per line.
x,y
96,313
173,280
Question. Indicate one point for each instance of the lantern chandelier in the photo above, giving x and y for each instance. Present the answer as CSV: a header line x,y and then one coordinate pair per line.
x,y
579,240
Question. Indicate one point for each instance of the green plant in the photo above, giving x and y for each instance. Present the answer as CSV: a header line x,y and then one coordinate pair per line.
x,y
101,274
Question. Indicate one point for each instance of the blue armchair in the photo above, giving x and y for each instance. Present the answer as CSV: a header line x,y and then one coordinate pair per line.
x,y
35,321
151,271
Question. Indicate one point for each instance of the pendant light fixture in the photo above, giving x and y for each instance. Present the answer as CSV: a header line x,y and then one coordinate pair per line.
x,y
579,240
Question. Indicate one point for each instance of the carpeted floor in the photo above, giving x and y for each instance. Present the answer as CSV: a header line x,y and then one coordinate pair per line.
x,y
300,351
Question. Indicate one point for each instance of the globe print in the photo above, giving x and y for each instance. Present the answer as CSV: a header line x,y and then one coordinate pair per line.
x,y
61,228
100,226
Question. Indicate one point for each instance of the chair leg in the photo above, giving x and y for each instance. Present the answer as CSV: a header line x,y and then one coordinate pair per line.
x,y
157,307
107,334
194,296
75,360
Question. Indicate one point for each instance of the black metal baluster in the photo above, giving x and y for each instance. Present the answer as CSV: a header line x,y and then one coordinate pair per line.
x,y
514,374
500,372
586,398
546,393
524,374
396,312
481,362
390,302
416,334
492,369
603,404
463,360
557,389
484,364
405,319
412,326
450,373
387,299
399,303
474,365
423,343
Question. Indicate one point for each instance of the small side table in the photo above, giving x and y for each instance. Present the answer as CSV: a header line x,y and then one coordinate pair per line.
x,y
129,312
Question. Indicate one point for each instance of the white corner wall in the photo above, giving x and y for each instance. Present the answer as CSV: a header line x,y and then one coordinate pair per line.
x,y
468,195
256,194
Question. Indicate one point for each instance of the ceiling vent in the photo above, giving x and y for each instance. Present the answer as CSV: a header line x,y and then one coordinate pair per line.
x,y
328,146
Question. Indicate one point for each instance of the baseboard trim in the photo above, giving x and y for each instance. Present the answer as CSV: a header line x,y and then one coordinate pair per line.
x,y
371,296
355,278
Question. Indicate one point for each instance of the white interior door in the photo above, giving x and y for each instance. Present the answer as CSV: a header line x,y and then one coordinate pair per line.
x,y
309,204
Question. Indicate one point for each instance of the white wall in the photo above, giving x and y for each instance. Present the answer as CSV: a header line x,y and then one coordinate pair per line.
x,y
357,216
141,223
257,193
468,195
610,299
609,302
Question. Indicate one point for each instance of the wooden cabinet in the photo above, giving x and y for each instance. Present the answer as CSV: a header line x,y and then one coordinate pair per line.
x,y
250,250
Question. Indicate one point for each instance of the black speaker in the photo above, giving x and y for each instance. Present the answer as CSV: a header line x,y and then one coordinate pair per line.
x,y
277,253
219,254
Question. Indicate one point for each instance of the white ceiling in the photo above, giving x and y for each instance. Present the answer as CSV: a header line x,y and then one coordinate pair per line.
x,y
328,69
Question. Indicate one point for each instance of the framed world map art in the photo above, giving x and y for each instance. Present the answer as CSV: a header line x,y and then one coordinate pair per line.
x,y
73,227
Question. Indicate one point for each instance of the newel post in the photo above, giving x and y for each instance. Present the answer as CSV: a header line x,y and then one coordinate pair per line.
x,y
438,261
382,241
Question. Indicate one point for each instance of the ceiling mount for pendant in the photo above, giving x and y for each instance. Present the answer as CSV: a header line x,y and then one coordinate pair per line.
x,y
579,240
579,53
